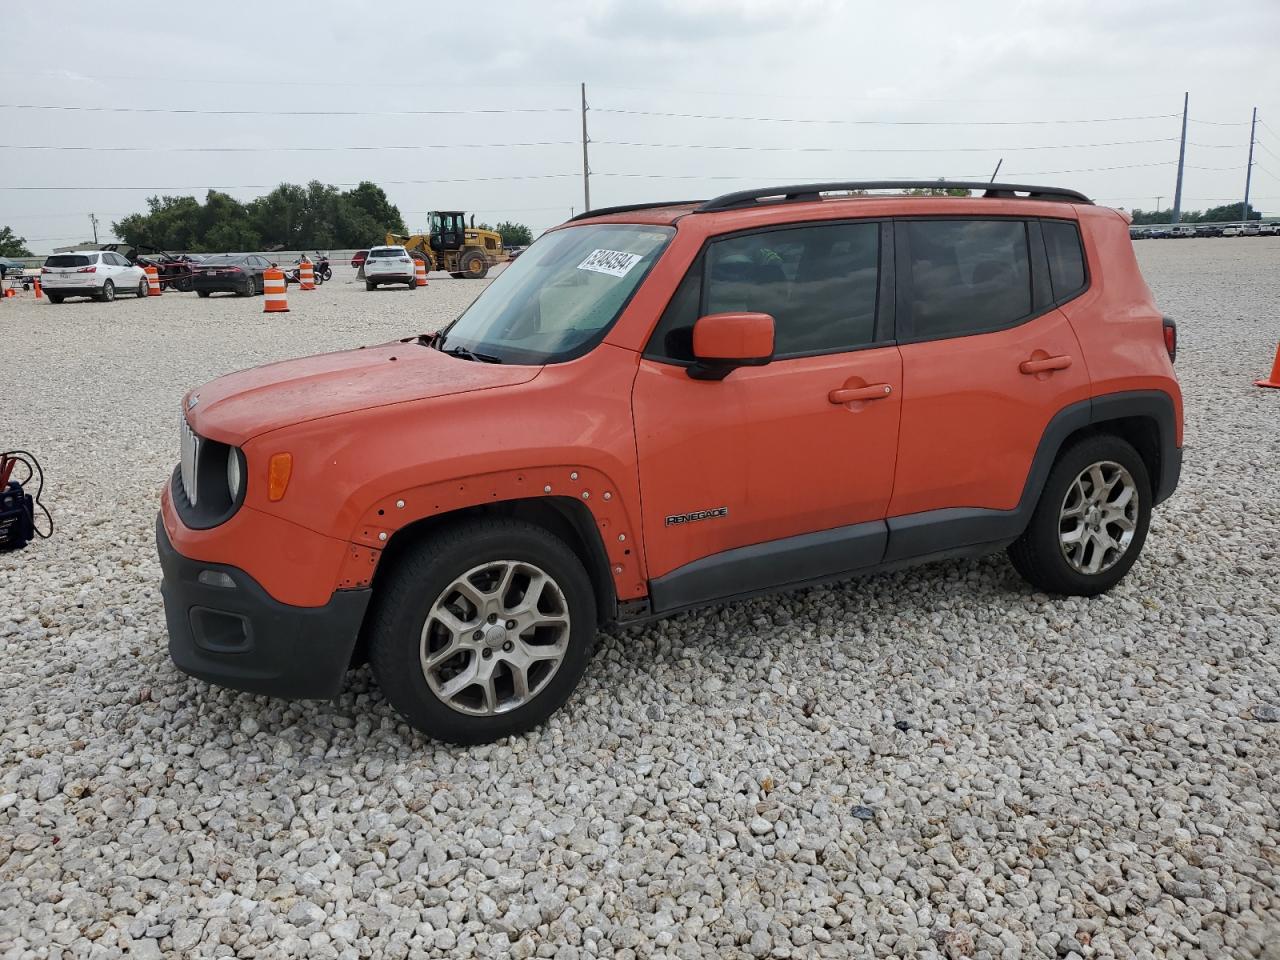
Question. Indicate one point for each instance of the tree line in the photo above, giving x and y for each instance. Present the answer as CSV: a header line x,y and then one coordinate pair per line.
x,y
1228,213
317,216
292,217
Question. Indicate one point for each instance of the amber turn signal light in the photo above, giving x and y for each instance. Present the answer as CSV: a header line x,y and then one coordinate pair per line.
x,y
279,470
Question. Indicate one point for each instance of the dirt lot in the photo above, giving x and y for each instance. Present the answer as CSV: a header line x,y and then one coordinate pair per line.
x,y
937,762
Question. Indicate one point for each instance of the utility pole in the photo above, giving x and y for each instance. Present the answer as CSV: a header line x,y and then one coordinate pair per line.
x,y
1248,173
1182,154
586,167
94,221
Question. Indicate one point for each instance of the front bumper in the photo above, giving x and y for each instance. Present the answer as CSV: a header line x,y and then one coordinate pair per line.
x,y
240,637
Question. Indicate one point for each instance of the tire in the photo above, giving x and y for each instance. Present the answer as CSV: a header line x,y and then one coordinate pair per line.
x,y
403,618
142,290
474,265
413,284
457,276
327,275
247,290
370,285
54,297
202,294
108,293
184,285
1046,560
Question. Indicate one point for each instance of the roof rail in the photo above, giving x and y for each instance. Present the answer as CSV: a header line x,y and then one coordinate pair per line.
x,y
813,191
628,208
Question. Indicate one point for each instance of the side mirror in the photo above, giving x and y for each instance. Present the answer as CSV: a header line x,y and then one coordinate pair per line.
x,y
723,342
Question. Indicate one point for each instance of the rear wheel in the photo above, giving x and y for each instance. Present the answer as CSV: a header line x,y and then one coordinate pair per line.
x,y
108,292
370,285
483,631
54,297
1091,521
474,265
203,293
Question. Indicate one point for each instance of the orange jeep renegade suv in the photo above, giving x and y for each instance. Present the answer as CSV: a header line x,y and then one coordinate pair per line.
x,y
667,405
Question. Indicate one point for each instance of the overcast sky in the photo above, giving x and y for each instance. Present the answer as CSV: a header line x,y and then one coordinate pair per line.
x,y
902,64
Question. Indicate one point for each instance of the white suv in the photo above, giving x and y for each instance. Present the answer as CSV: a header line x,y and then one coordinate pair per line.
x,y
389,265
99,274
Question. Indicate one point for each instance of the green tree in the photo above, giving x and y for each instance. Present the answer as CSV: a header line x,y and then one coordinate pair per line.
x,y
12,245
1231,212
317,216
515,234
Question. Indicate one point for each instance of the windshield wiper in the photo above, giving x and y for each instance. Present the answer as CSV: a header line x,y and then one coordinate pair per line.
x,y
466,354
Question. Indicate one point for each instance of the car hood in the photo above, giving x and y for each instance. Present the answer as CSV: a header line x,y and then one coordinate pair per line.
x,y
235,408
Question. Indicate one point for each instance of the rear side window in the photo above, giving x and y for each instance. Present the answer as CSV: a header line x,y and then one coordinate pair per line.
x,y
1066,258
67,260
967,276
818,283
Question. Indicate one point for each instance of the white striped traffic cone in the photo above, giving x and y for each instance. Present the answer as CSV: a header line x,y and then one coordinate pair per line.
x,y
273,295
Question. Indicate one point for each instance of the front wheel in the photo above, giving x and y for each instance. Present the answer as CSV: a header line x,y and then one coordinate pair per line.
x,y
326,275
483,631
1091,521
142,290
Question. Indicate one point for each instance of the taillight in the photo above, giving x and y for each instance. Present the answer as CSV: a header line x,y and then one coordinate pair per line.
x,y
1171,338
87,270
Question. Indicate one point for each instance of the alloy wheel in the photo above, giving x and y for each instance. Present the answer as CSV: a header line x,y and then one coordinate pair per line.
x,y
1098,518
495,637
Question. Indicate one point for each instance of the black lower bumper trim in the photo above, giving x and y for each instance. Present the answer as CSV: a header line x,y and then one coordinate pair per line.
x,y
226,629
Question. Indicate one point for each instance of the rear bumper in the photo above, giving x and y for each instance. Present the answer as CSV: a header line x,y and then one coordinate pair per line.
x,y
388,277
236,635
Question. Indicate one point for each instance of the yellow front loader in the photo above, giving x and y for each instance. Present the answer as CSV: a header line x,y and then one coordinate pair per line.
x,y
452,246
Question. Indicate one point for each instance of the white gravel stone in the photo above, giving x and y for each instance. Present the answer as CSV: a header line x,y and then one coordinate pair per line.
x,y
936,763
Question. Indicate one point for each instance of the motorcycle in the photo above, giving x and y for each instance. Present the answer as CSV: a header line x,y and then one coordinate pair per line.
x,y
320,270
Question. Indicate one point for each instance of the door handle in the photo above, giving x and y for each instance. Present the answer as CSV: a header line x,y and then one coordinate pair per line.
x,y
875,391
1045,365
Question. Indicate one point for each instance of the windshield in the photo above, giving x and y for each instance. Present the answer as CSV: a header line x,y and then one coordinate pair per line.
x,y
223,258
561,296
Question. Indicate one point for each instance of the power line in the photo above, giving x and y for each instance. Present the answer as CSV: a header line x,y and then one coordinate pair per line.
x,y
272,186
876,123
1259,143
362,84
285,113
804,179
757,95
711,146
282,149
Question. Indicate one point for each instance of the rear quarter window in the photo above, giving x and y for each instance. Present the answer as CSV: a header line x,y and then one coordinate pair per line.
x,y
1066,258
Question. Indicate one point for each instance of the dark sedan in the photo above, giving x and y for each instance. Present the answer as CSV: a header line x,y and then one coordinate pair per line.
x,y
238,273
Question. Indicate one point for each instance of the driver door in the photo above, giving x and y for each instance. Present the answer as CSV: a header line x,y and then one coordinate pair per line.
x,y
767,478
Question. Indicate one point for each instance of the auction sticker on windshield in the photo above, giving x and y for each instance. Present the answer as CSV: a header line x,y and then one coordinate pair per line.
x,y
613,262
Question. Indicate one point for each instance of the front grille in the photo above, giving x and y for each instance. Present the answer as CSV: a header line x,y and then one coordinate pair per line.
x,y
190,460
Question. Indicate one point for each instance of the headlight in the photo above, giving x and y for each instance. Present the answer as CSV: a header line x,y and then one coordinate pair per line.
x,y
234,476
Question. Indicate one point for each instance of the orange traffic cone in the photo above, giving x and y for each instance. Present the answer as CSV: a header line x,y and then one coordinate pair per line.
x,y
419,272
1275,374
39,292
153,281
274,299
306,276
8,292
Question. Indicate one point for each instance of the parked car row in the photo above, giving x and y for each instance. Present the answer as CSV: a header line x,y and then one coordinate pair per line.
x,y
1186,230
102,274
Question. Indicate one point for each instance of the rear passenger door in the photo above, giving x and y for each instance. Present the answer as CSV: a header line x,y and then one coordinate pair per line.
x,y
771,452
987,358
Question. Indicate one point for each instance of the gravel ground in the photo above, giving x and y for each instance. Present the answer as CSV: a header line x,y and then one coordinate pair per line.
x,y
933,763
